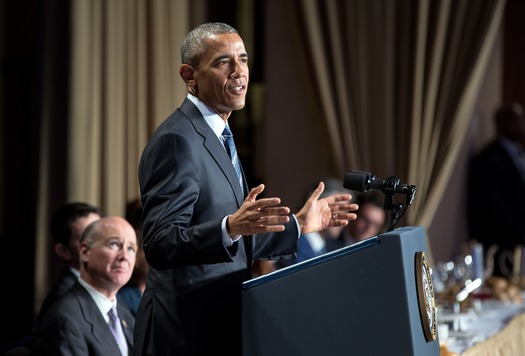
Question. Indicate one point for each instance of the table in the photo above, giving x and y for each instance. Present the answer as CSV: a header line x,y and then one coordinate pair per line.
x,y
492,328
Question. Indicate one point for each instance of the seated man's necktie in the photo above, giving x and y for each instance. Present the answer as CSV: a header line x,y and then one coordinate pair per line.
x,y
118,333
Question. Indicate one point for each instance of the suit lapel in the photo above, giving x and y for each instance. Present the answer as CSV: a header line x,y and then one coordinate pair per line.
x,y
215,148
92,315
126,324
219,154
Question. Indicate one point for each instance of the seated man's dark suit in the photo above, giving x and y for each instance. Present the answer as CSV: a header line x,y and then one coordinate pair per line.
x,y
66,281
75,326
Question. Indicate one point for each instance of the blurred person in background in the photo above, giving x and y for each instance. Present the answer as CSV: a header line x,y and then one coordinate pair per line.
x,y
496,190
370,222
67,226
315,243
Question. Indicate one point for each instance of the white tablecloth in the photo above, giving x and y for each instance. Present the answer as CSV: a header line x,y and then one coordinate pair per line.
x,y
485,328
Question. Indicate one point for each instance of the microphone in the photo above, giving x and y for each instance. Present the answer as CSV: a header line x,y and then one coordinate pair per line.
x,y
365,181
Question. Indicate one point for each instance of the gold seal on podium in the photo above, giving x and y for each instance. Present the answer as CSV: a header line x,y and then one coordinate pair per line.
x,y
425,295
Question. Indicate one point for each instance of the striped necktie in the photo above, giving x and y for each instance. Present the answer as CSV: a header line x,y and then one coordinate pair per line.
x,y
227,140
116,329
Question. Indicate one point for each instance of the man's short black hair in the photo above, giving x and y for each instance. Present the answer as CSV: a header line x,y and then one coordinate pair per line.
x,y
65,216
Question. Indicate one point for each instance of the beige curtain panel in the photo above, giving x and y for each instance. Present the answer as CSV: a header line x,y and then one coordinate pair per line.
x,y
397,83
124,82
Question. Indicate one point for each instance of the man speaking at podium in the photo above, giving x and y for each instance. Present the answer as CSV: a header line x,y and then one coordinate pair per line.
x,y
203,227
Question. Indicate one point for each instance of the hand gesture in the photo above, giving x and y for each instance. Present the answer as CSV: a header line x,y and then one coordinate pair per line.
x,y
258,216
318,214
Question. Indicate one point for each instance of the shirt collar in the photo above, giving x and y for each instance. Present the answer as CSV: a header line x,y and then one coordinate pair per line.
x,y
103,303
212,118
316,241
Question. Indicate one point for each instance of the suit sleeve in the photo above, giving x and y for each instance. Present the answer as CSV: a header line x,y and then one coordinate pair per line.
x,y
183,204
277,246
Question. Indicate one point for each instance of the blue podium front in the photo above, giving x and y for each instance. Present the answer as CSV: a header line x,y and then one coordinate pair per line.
x,y
371,298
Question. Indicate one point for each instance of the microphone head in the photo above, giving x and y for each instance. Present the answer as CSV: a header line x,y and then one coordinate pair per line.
x,y
356,180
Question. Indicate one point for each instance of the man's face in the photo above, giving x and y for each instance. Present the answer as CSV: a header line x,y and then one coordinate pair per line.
x,y
370,219
222,75
110,261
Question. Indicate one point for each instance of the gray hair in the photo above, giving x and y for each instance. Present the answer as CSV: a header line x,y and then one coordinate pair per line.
x,y
88,235
194,44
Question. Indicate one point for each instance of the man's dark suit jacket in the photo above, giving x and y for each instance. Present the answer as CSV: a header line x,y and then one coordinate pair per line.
x,y
191,305
75,326
496,200
66,281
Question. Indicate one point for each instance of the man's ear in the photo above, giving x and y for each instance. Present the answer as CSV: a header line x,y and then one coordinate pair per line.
x,y
83,252
186,73
63,252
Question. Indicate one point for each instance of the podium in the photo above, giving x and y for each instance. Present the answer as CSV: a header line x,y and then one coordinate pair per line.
x,y
373,298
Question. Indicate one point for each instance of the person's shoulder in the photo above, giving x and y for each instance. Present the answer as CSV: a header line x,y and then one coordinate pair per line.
x,y
171,131
491,148
493,155
62,286
65,282
64,309
63,321
181,123
174,119
73,295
